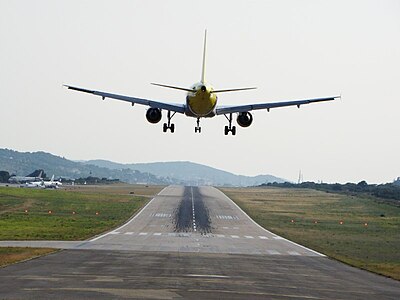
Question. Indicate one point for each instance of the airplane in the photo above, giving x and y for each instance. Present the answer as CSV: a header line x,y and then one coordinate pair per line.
x,y
25,179
51,184
201,102
33,184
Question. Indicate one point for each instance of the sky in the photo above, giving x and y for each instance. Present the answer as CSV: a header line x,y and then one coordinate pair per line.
x,y
288,49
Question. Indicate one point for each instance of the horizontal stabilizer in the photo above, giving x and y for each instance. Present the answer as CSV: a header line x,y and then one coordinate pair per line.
x,y
173,87
234,90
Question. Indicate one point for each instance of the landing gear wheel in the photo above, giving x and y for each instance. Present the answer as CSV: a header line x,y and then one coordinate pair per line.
x,y
169,125
230,128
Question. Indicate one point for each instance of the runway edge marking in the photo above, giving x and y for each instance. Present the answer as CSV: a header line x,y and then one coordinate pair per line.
x,y
301,246
129,221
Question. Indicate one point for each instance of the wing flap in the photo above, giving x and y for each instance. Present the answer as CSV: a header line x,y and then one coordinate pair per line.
x,y
179,108
245,108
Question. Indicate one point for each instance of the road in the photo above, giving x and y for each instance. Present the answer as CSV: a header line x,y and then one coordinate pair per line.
x,y
190,242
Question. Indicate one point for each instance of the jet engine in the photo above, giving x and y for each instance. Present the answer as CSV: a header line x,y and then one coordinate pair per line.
x,y
244,119
153,115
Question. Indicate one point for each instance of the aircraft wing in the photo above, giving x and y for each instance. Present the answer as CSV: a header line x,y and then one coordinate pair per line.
x,y
248,107
179,108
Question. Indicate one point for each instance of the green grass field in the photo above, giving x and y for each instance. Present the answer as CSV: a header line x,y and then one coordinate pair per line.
x,y
73,214
77,213
369,236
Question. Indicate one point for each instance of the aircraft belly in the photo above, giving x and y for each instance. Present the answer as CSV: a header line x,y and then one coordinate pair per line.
x,y
201,105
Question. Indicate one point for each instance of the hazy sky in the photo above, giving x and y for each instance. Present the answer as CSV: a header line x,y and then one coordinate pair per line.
x,y
288,49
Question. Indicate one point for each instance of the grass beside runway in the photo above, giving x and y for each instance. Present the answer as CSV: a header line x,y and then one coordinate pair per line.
x,y
356,230
9,255
72,213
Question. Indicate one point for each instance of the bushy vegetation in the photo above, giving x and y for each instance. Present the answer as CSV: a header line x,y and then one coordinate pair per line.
x,y
387,191
4,176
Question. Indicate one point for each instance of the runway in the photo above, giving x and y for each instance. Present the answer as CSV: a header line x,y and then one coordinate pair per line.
x,y
190,242
187,219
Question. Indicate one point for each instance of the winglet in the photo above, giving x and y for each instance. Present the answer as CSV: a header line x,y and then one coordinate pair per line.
x,y
203,71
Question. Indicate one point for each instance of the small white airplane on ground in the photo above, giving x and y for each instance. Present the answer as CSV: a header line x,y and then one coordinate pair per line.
x,y
33,184
201,102
52,184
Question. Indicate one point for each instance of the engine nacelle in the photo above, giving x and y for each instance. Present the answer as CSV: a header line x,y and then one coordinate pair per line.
x,y
244,119
153,115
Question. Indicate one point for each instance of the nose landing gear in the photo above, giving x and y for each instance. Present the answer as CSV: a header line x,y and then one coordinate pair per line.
x,y
197,128
230,128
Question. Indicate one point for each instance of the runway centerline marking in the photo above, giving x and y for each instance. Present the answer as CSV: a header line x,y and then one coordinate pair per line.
x,y
194,215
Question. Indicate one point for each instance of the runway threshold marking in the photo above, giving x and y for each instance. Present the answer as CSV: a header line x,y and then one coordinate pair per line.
x,y
127,223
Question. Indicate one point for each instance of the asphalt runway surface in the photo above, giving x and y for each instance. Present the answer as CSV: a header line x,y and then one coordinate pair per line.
x,y
188,242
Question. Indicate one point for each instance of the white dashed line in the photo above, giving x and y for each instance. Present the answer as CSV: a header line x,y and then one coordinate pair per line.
x,y
129,232
273,252
293,253
143,233
114,232
234,236
130,221
157,233
259,226
249,237
220,235
263,237
278,238
194,216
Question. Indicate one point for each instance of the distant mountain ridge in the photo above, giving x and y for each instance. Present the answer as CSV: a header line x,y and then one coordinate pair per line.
x,y
23,163
190,173
180,172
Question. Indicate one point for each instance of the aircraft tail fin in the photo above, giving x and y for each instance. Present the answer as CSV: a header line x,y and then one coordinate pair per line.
x,y
52,178
203,70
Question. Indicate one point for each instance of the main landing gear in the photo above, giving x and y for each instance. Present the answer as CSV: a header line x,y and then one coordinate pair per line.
x,y
197,128
169,125
230,128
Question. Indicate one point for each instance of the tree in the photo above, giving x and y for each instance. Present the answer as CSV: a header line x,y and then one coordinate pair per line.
x,y
4,176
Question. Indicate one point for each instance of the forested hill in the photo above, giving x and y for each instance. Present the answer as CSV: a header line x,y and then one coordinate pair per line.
x,y
23,163
191,173
188,173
